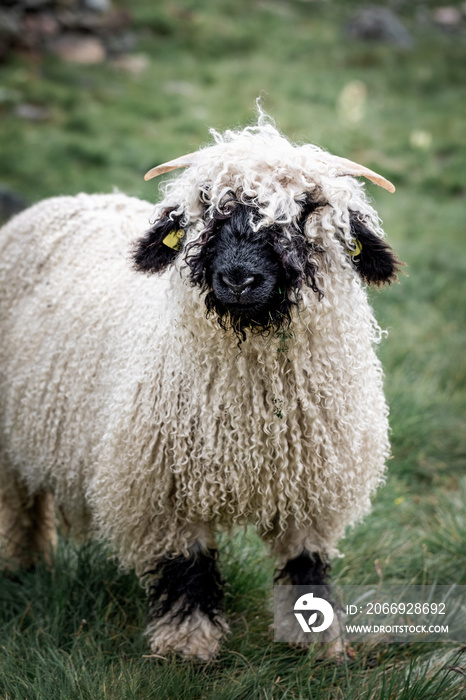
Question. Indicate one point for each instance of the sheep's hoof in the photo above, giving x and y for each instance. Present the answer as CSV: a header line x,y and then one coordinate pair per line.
x,y
338,651
195,637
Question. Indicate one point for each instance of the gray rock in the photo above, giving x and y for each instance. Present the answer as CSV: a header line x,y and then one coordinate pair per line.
x,y
372,23
120,42
10,202
34,4
32,113
98,5
10,24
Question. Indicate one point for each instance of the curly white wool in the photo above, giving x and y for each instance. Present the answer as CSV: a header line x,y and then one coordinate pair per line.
x,y
141,414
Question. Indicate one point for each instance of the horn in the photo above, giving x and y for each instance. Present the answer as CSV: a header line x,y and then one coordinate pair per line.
x,y
347,167
181,162
344,167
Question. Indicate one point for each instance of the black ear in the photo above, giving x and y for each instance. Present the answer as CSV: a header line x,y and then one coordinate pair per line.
x,y
373,258
161,244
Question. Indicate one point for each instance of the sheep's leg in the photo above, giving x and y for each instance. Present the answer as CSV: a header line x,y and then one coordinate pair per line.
x,y
27,526
304,564
185,604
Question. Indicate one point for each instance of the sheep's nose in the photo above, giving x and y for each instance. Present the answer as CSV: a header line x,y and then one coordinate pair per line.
x,y
237,287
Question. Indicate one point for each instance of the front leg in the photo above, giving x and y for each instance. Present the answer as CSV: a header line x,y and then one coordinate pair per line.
x,y
304,564
186,604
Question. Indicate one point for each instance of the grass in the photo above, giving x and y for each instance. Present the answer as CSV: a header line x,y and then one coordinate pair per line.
x,y
75,631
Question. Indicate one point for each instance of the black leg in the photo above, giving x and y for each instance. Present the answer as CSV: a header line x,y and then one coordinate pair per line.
x,y
182,585
305,570
186,605
307,573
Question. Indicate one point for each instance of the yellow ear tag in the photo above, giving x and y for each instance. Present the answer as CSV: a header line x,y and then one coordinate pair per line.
x,y
174,238
358,250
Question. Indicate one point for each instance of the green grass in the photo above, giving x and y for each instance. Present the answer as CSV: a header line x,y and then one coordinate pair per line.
x,y
207,64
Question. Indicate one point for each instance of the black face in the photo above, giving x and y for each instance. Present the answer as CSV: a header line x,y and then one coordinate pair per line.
x,y
251,278
244,269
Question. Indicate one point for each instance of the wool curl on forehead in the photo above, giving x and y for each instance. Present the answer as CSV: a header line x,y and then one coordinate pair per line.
x,y
262,168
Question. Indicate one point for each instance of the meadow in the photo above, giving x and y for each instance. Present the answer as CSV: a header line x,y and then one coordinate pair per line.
x,y
74,631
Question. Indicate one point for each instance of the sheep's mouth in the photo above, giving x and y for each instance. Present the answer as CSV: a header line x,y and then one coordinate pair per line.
x,y
260,319
254,310
242,307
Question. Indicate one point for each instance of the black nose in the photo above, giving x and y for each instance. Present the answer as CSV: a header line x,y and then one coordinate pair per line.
x,y
237,287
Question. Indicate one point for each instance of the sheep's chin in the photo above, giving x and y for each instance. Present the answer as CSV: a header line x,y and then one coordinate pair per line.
x,y
265,320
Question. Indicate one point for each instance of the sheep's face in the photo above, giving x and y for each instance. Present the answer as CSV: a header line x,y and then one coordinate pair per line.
x,y
240,267
251,274
251,278
241,223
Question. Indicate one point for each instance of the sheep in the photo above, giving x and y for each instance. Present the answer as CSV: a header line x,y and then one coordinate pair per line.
x,y
217,370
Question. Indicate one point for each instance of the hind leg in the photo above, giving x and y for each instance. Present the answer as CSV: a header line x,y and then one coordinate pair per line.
x,y
27,526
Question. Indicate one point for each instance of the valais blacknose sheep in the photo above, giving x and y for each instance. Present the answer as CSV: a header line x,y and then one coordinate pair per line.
x,y
160,381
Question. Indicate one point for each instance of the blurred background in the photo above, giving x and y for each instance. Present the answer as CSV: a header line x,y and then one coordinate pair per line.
x,y
93,93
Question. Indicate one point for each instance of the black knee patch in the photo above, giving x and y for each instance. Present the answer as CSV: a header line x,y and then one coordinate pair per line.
x,y
308,573
182,585
305,570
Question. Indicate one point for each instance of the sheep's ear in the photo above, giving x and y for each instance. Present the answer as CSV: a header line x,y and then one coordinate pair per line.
x,y
161,244
374,259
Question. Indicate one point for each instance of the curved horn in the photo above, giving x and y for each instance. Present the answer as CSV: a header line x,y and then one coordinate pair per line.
x,y
181,162
348,167
344,167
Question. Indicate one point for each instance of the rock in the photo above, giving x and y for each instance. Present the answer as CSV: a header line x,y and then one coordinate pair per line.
x,y
10,30
120,42
82,31
10,24
79,49
33,113
73,21
447,16
98,5
40,26
372,23
34,4
10,202
115,21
